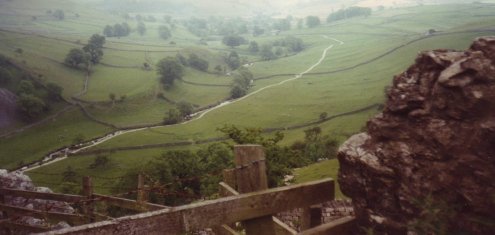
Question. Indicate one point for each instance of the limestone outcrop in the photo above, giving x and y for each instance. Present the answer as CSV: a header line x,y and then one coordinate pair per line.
x,y
19,181
426,164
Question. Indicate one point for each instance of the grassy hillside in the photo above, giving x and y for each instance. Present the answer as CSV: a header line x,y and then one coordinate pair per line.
x,y
363,54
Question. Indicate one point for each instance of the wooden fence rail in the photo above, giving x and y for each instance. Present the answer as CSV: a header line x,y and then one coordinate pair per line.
x,y
128,203
206,214
87,203
71,218
40,195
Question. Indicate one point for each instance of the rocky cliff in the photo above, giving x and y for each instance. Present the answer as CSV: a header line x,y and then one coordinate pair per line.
x,y
426,165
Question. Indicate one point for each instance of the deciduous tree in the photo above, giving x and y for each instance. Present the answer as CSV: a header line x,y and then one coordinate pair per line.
x,y
164,32
253,47
169,70
233,60
31,105
76,57
95,48
312,21
233,40
198,63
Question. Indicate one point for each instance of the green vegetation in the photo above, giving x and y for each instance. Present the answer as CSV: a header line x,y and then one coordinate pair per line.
x,y
320,170
349,13
34,96
242,82
133,85
312,21
119,30
233,40
170,70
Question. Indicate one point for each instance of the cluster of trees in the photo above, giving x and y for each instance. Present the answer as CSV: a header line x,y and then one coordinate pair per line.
x,y
233,60
34,96
30,99
170,69
185,174
203,28
292,43
175,115
233,40
88,55
197,173
349,13
198,63
312,21
266,52
117,30
243,79
270,51
253,47
28,102
218,26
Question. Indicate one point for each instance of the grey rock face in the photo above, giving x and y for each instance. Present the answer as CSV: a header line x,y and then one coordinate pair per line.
x,y
431,150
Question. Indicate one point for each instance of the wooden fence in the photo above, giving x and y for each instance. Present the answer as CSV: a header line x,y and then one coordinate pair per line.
x,y
245,199
87,204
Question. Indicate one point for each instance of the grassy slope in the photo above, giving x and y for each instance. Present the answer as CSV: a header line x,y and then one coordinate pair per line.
x,y
34,143
292,103
320,170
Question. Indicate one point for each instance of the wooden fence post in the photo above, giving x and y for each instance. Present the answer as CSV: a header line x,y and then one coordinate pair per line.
x,y
229,178
142,195
250,177
89,208
226,190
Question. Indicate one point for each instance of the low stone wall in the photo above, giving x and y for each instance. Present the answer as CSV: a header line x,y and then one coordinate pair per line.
x,y
330,211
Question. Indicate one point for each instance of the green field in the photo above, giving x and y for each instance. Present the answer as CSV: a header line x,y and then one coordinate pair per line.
x,y
351,76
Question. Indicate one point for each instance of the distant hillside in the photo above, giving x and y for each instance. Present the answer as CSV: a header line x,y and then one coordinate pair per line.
x,y
234,8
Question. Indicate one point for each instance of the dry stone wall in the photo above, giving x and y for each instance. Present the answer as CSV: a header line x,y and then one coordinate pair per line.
x,y
330,211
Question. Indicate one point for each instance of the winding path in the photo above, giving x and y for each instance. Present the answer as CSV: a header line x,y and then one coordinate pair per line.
x,y
324,54
62,154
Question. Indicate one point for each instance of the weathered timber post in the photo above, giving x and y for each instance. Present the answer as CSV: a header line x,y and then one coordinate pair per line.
x,y
89,207
142,195
226,188
250,177
229,178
